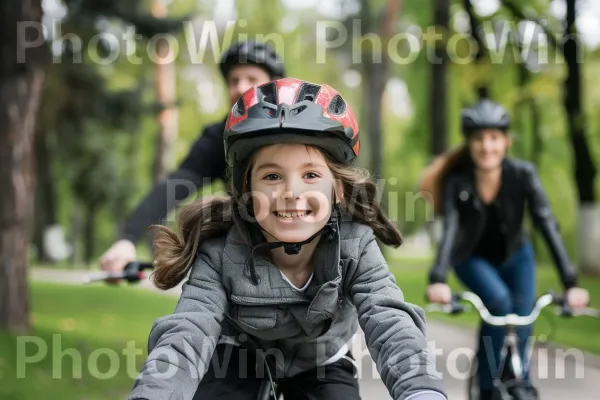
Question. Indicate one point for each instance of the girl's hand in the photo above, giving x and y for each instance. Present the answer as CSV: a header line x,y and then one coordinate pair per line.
x,y
439,293
577,298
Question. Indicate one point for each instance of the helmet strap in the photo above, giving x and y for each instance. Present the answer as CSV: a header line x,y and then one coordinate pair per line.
x,y
331,228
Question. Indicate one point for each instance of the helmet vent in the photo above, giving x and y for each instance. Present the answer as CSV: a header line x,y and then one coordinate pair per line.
x,y
267,93
308,91
337,105
269,111
297,110
239,107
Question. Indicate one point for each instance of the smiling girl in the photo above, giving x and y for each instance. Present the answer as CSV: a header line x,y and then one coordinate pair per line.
x,y
289,266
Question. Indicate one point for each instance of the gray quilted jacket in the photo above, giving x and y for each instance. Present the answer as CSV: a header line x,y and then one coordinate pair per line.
x,y
351,280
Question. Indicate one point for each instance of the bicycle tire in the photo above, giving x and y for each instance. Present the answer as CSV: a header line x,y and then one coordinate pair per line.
x,y
264,392
519,393
473,382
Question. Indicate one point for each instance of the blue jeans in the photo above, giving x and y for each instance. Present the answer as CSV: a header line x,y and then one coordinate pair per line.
x,y
506,288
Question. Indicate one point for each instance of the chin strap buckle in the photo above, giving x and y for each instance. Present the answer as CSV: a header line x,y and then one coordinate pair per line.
x,y
292,248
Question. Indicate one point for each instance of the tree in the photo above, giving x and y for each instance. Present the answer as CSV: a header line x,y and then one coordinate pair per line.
x,y
476,32
91,123
375,74
165,92
439,83
21,80
585,170
584,167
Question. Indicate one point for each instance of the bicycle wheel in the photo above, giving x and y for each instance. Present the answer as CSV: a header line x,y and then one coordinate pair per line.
x,y
519,393
473,383
265,391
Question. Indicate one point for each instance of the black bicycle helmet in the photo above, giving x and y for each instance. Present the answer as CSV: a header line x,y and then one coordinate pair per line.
x,y
484,114
252,52
290,110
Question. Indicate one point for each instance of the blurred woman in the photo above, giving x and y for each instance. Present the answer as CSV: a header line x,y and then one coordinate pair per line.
x,y
483,196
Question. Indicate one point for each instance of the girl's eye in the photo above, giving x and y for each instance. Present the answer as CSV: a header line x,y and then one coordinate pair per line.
x,y
310,175
271,177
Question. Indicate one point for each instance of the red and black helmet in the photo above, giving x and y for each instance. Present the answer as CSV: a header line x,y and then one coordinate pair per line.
x,y
291,111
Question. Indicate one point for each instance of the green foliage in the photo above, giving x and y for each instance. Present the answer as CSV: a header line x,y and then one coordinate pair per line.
x,y
102,123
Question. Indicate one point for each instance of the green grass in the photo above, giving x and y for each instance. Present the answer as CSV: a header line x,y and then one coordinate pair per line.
x,y
579,332
104,319
90,324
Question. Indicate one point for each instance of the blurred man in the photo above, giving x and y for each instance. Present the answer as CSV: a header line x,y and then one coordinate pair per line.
x,y
243,65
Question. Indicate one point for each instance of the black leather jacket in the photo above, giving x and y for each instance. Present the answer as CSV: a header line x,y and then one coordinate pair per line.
x,y
464,218
204,163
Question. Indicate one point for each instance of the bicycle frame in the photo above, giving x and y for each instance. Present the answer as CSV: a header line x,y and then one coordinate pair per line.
x,y
509,354
511,342
510,348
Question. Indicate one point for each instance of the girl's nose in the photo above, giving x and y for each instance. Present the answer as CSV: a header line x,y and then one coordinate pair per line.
x,y
292,190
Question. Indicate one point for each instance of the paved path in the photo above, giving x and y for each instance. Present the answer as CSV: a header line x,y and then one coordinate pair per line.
x,y
559,374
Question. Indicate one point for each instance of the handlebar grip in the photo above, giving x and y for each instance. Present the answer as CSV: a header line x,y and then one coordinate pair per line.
x,y
556,298
564,309
454,307
456,297
133,271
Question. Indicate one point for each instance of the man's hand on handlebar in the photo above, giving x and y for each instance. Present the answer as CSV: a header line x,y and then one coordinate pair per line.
x,y
132,273
117,257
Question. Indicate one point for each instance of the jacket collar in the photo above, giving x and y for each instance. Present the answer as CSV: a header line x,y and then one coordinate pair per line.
x,y
326,260
470,189
322,295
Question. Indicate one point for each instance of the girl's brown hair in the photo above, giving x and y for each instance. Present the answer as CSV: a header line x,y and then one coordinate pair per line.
x,y
175,252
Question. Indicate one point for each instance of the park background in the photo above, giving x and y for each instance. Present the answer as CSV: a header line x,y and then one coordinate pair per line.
x,y
103,133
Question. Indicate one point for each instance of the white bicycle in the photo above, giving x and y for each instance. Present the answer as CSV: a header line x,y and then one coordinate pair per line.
x,y
508,382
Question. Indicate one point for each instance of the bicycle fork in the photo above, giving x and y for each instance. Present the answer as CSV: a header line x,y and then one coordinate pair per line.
x,y
510,357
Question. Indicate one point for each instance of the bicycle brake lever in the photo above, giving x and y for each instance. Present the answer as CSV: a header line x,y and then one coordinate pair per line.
x,y
433,307
102,277
564,311
458,308
456,297
591,312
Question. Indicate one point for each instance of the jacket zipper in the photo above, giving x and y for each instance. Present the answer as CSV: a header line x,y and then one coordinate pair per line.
x,y
266,302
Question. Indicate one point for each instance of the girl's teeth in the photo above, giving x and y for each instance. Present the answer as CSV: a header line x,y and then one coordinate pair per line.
x,y
291,215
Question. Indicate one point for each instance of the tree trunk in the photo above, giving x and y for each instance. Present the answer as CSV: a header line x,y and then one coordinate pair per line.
x,y
374,87
439,83
585,170
45,196
21,80
537,146
482,87
165,93
89,237
373,71
375,74
75,233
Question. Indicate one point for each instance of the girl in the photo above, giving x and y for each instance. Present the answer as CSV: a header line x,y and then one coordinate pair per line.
x,y
288,266
483,195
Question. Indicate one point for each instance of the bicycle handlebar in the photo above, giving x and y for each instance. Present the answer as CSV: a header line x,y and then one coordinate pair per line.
x,y
132,273
455,307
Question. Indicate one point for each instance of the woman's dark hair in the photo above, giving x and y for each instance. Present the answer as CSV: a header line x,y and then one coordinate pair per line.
x,y
434,177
